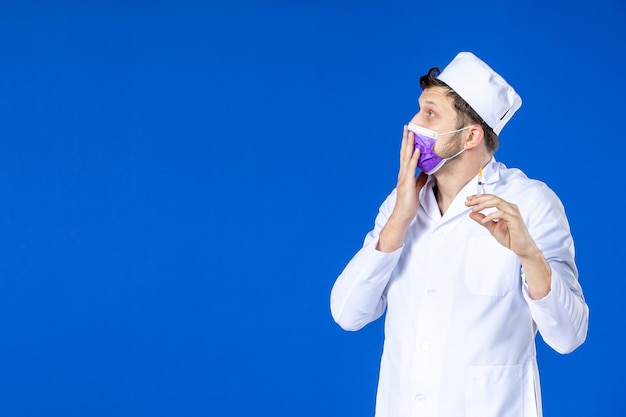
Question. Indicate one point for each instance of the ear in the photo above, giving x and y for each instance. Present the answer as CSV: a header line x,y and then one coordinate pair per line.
x,y
475,136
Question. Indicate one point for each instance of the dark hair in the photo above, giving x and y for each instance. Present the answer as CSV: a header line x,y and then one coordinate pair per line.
x,y
466,114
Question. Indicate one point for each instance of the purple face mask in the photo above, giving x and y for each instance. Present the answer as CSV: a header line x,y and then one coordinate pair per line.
x,y
425,139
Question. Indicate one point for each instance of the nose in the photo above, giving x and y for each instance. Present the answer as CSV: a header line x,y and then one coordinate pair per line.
x,y
417,119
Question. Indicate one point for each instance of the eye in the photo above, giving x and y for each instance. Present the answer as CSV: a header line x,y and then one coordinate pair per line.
x,y
427,112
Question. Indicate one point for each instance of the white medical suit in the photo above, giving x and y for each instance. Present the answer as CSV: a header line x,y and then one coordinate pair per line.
x,y
460,327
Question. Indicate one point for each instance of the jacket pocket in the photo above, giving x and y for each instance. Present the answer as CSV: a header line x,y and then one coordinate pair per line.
x,y
491,269
494,391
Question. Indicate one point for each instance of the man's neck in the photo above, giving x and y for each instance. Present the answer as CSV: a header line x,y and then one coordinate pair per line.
x,y
450,181
445,194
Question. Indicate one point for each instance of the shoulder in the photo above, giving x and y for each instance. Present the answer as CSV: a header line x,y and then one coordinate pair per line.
x,y
516,180
532,196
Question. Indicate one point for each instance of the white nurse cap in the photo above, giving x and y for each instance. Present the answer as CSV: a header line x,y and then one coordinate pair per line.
x,y
482,88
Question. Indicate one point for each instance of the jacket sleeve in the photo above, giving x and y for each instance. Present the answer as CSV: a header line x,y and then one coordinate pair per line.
x,y
562,316
358,295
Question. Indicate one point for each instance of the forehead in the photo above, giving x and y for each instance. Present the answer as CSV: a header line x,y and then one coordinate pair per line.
x,y
436,97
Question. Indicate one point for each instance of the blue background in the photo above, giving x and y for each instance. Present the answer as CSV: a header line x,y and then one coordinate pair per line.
x,y
182,182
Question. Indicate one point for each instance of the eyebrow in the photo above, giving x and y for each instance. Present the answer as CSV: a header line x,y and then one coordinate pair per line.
x,y
432,103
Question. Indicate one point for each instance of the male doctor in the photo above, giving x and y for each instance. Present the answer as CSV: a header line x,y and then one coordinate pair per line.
x,y
469,259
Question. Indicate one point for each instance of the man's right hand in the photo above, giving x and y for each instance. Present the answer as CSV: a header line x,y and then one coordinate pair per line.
x,y
407,198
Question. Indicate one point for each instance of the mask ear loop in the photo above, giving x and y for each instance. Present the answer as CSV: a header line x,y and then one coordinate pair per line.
x,y
459,152
455,131
455,155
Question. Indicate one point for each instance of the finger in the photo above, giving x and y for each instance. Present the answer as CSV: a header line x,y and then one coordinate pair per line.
x,y
477,201
485,201
475,198
402,142
481,219
415,153
477,217
408,164
494,217
408,144
509,208
409,167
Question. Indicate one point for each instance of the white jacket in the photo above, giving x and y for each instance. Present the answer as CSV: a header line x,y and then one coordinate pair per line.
x,y
460,327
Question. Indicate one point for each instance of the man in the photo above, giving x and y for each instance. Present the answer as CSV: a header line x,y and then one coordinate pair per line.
x,y
469,259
